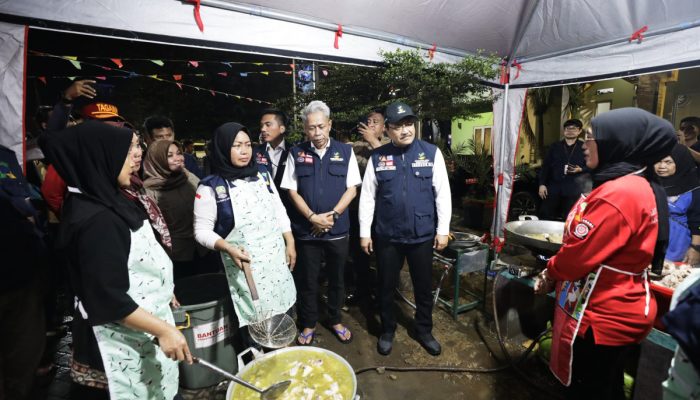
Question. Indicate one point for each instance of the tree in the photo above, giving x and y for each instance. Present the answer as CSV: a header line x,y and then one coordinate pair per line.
x,y
439,91
540,100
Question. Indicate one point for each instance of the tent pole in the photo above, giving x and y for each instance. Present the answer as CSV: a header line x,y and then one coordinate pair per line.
x,y
304,20
502,149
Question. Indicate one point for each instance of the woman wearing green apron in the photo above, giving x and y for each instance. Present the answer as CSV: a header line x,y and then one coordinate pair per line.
x,y
239,213
121,276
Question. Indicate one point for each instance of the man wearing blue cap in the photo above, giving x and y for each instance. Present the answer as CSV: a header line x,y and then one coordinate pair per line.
x,y
406,189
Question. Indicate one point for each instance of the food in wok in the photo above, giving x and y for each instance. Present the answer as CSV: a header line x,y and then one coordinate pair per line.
x,y
546,237
673,275
314,375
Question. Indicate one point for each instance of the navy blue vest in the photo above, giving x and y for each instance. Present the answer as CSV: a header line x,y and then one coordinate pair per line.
x,y
405,199
225,221
321,183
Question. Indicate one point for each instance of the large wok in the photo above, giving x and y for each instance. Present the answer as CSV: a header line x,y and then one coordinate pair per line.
x,y
303,352
517,231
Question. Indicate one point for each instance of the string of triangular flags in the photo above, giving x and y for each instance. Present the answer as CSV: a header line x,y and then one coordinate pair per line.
x,y
130,74
119,61
174,76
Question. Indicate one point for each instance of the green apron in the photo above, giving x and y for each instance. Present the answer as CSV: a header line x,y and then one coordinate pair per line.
x,y
135,367
257,231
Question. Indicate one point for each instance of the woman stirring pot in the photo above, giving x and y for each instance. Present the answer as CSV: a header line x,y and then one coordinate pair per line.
x,y
603,303
121,276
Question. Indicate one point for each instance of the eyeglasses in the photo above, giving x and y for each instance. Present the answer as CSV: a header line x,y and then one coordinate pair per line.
x,y
571,128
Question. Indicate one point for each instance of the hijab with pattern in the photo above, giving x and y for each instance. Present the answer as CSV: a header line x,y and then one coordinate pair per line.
x,y
157,173
686,177
90,157
220,153
629,139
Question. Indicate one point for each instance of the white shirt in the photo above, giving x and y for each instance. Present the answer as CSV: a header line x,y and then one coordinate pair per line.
x,y
443,198
205,215
275,155
289,181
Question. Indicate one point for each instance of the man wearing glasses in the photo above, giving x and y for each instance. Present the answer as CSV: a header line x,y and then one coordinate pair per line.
x,y
321,176
406,193
564,162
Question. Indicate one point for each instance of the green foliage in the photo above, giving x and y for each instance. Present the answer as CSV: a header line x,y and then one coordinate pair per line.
x,y
477,166
434,90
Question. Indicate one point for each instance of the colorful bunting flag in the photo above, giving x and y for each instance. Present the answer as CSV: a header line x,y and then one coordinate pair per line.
x,y
158,62
43,79
223,73
212,92
117,61
194,63
177,77
264,72
101,77
179,85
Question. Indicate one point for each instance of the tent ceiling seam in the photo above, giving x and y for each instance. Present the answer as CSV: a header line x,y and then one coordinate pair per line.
x,y
350,30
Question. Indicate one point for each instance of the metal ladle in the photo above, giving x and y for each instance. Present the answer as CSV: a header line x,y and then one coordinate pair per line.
x,y
271,393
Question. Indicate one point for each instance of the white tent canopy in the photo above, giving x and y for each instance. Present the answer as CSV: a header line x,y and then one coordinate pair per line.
x,y
553,41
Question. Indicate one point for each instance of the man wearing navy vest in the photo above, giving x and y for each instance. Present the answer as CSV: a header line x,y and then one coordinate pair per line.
x,y
321,176
406,189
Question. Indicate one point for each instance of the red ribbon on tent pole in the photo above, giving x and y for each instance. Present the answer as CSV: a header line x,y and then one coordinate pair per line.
x,y
431,52
197,16
338,34
518,67
639,35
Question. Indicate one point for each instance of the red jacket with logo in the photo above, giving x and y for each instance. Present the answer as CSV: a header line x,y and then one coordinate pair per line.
x,y
615,225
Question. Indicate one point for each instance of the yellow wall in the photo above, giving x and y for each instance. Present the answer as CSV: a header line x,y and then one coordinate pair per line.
x,y
688,84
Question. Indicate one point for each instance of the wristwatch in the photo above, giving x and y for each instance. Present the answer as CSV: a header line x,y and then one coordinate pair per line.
x,y
336,215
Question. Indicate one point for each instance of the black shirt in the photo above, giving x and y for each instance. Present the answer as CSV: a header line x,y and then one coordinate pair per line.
x,y
552,174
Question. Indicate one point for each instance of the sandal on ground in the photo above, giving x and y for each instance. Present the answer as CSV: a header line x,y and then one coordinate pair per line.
x,y
302,338
341,333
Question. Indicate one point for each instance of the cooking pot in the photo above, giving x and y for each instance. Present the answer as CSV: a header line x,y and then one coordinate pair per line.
x,y
303,352
517,231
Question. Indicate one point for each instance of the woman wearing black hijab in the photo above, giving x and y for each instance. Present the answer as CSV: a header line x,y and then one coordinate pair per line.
x,y
603,303
239,213
679,176
121,277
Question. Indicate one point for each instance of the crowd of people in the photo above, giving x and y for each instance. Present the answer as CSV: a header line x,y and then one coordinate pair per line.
x,y
132,214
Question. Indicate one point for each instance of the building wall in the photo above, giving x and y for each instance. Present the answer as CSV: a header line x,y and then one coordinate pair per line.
x,y
463,130
623,95
685,92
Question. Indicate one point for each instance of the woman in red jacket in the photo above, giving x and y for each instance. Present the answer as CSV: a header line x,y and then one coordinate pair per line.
x,y
603,303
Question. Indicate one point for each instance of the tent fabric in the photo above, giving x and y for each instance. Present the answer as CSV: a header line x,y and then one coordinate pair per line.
x,y
510,104
553,41
12,50
170,21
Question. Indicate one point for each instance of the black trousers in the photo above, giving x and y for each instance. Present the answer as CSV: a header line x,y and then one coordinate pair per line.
x,y
310,254
557,206
597,370
390,259
359,275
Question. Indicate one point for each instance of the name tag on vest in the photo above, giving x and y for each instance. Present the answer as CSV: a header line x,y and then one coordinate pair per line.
x,y
422,163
